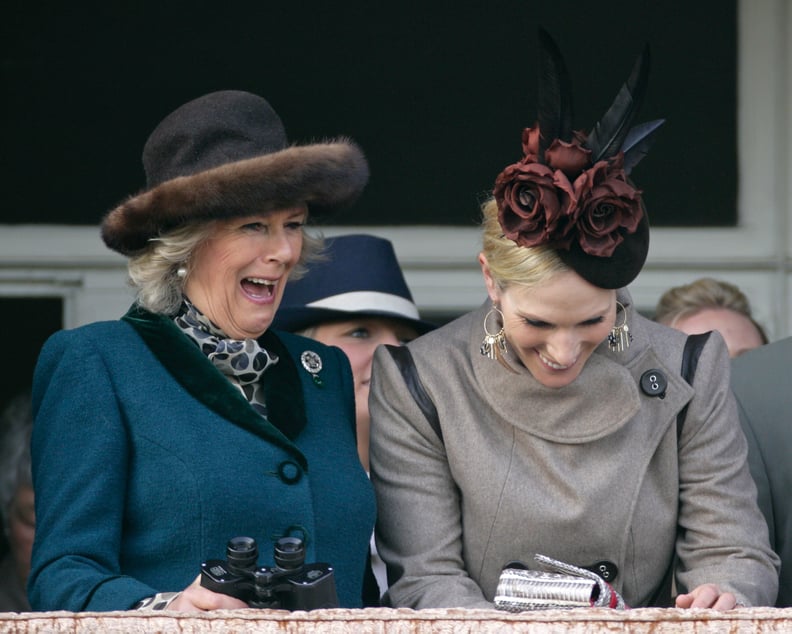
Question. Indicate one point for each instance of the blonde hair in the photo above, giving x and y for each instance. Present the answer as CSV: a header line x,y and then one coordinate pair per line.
x,y
511,264
686,300
154,273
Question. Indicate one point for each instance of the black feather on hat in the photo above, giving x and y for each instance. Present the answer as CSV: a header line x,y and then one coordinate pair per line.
x,y
226,154
570,191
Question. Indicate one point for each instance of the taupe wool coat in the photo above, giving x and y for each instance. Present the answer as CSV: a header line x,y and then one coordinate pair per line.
x,y
586,473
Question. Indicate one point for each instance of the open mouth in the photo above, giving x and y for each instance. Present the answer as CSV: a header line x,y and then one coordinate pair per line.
x,y
553,365
258,286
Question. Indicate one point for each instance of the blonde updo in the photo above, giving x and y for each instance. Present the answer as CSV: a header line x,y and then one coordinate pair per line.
x,y
511,264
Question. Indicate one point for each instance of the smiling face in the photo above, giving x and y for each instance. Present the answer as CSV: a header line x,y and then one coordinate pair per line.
x,y
554,327
359,337
237,276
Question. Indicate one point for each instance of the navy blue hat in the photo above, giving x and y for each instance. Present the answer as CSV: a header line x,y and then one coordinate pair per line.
x,y
360,277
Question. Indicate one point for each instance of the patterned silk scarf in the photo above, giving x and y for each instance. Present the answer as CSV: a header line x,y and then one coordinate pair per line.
x,y
243,361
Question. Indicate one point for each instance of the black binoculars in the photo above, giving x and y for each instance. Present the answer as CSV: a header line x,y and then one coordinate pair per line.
x,y
290,585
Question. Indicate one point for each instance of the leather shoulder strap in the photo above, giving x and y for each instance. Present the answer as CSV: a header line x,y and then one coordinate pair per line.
x,y
404,361
690,357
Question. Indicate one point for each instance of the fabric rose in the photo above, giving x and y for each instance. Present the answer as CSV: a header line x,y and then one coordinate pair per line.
x,y
570,158
535,198
534,204
608,207
530,144
565,199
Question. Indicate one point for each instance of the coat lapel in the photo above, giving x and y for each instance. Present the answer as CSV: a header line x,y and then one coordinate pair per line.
x,y
196,374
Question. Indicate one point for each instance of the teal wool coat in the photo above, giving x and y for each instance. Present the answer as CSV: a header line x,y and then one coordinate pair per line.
x,y
147,460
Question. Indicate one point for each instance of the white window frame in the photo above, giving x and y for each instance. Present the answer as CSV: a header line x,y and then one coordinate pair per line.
x,y
440,262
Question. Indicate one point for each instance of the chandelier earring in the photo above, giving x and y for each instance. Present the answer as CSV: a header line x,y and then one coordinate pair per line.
x,y
494,344
619,337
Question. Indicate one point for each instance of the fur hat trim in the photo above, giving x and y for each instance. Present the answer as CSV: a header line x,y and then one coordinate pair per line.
x,y
323,175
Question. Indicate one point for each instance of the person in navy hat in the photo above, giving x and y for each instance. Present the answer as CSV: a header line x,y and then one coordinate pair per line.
x,y
356,298
161,436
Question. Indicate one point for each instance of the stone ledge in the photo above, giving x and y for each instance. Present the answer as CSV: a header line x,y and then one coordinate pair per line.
x,y
403,621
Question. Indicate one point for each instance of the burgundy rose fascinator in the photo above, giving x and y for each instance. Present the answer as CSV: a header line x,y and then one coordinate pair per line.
x,y
570,191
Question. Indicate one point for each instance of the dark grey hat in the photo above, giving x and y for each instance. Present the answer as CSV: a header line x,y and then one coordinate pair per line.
x,y
226,154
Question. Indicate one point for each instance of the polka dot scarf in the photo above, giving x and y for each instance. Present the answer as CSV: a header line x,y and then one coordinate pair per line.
x,y
243,361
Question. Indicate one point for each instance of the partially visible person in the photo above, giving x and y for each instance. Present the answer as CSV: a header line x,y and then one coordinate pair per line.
x,y
356,298
760,381
16,503
160,436
562,421
709,304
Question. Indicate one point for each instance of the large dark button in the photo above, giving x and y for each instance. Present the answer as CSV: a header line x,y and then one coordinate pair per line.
x,y
605,569
289,472
654,383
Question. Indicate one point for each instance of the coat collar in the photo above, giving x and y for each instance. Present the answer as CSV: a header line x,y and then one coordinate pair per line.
x,y
196,374
604,398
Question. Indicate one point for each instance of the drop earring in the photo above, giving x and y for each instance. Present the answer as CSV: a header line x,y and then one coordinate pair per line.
x,y
619,337
494,345
181,272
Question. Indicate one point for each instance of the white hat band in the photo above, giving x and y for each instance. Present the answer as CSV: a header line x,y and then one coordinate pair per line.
x,y
368,301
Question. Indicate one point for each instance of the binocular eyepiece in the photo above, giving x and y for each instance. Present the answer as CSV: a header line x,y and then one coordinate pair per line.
x,y
291,584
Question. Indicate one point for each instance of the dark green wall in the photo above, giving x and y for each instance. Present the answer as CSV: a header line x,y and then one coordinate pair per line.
x,y
436,92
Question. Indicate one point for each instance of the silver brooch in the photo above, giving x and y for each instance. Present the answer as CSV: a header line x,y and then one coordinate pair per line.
x,y
312,362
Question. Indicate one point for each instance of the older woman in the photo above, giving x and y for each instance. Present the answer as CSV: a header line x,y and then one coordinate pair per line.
x,y
160,436
558,410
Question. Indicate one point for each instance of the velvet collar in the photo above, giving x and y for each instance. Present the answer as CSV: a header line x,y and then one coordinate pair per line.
x,y
196,374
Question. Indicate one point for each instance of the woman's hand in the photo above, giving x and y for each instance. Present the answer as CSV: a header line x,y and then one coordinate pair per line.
x,y
707,595
196,598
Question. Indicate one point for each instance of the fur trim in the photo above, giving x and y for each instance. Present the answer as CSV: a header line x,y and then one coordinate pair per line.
x,y
323,175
